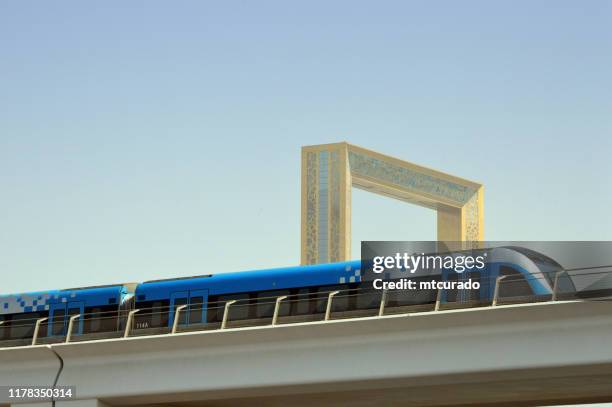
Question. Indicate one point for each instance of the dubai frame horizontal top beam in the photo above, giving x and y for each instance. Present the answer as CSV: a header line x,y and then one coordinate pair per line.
x,y
329,171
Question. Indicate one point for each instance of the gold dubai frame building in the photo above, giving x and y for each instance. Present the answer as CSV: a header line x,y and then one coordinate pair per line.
x,y
329,171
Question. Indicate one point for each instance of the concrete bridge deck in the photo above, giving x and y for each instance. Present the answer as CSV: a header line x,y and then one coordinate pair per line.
x,y
543,353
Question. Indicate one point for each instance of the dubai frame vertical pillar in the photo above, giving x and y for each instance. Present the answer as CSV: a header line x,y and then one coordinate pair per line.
x,y
329,171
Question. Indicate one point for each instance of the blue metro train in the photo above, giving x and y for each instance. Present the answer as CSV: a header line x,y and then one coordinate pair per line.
x,y
103,309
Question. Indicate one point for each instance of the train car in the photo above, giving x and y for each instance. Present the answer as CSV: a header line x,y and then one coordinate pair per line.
x,y
525,272
98,307
529,274
254,291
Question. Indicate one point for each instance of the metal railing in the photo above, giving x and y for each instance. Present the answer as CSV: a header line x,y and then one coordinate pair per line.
x,y
71,326
177,316
276,309
130,323
313,306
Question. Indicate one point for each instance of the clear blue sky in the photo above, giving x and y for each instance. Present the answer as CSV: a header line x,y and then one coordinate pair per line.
x,y
141,140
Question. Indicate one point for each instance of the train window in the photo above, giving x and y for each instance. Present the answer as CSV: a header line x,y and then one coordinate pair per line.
x,y
195,310
408,297
425,296
58,322
322,294
252,306
451,295
92,319
398,298
4,328
354,293
239,310
301,303
475,294
153,314
266,301
100,319
159,315
319,302
367,297
108,318
216,307
344,300
22,325
515,285
143,318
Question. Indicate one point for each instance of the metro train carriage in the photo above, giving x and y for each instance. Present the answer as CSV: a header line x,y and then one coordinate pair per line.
x,y
528,275
255,293
98,307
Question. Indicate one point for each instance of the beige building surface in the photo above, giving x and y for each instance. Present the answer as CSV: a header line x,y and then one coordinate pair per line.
x,y
329,171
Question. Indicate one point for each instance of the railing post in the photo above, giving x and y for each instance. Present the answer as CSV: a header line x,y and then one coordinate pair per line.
x,y
36,329
438,299
70,325
129,323
177,314
496,291
556,285
383,302
329,304
276,309
226,313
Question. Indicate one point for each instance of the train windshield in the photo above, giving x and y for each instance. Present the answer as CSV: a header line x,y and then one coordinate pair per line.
x,y
547,266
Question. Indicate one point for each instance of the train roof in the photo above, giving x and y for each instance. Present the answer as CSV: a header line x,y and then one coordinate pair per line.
x,y
256,280
177,278
260,272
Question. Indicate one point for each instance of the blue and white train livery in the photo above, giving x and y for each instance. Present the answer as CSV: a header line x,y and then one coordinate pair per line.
x,y
252,295
18,312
